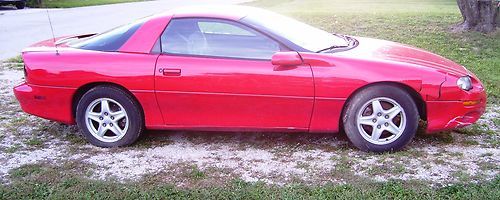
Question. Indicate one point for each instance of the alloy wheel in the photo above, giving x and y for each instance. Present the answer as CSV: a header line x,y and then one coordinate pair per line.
x,y
381,121
106,119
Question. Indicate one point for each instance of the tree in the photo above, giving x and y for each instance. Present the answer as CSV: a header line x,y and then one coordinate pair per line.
x,y
35,3
479,15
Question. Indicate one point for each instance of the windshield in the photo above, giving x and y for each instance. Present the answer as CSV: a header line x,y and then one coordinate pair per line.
x,y
110,40
301,34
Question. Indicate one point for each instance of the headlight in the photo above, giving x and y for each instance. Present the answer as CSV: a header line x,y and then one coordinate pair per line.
x,y
464,83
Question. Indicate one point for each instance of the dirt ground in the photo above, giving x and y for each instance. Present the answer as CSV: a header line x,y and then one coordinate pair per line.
x,y
186,158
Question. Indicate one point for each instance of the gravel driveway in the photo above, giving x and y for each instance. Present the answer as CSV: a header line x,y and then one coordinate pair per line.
x,y
184,158
21,28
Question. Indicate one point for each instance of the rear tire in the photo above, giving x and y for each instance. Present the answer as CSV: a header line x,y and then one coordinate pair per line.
x,y
109,117
381,118
20,5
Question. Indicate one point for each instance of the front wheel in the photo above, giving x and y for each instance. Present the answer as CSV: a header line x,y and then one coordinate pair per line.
x,y
109,117
381,118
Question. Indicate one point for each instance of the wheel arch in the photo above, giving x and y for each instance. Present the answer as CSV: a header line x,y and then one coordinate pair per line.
x,y
417,98
85,88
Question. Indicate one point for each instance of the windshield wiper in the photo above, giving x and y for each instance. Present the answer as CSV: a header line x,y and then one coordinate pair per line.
x,y
330,48
347,39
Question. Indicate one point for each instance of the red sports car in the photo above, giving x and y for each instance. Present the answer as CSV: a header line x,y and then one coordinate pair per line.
x,y
243,68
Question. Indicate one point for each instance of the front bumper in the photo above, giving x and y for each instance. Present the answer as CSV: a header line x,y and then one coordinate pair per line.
x,y
447,115
53,103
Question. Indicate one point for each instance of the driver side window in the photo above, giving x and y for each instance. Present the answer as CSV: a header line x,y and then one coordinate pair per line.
x,y
218,38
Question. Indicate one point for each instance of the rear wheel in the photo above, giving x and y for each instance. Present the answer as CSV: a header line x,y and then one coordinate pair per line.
x,y
381,118
109,117
20,5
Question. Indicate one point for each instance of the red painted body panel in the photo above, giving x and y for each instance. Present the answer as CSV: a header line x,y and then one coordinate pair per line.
x,y
448,115
326,116
144,39
72,69
52,103
449,111
181,92
214,92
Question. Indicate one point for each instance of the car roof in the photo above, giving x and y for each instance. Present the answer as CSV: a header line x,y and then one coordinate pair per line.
x,y
232,12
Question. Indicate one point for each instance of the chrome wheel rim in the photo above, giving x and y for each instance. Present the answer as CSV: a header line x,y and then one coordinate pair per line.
x,y
106,119
381,121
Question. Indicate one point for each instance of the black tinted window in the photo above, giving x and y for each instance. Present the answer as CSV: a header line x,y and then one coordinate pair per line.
x,y
220,38
109,41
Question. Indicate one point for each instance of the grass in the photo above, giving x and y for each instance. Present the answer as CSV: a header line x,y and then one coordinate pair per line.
x,y
35,142
74,3
196,173
26,170
476,129
47,182
18,59
12,149
12,63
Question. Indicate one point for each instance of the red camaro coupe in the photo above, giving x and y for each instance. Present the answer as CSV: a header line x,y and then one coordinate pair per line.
x,y
242,68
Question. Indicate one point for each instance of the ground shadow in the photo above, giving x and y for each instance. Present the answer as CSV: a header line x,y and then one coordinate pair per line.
x,y
272,139
251,139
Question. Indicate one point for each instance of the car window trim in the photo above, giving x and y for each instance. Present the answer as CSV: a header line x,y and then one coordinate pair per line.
x,y
281,45
214,57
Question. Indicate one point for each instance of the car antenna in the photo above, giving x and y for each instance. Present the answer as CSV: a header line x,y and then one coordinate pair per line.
x,y
52,29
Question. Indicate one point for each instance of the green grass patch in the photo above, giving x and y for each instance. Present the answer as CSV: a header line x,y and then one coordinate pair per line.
x,y
44,182
26,170
476,129
34,142
437,138
74,3
17,59
196,174
12,63
12,149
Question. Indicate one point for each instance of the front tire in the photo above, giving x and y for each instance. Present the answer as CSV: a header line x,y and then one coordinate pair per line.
x,y
109,117
381,118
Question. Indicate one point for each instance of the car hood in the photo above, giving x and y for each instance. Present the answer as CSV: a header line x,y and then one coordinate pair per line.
x,y
392,51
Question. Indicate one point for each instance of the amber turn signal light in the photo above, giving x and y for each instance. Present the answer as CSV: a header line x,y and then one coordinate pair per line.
x,y
471,103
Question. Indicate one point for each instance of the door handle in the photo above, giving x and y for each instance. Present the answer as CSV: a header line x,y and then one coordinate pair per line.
x,y
170,72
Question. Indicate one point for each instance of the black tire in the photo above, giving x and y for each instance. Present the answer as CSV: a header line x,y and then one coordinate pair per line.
x,y
132,108
20,5
380,93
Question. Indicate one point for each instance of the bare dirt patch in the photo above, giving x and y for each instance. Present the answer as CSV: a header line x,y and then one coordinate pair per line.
x,y
186,158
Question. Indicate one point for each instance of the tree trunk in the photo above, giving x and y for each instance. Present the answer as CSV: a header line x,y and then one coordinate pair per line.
x,y
478,15
497,14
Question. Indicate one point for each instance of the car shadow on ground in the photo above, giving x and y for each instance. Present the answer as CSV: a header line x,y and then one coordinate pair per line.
x,y
270,140
253,139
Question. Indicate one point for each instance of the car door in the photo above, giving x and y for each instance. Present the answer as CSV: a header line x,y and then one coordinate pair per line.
x,y
218,73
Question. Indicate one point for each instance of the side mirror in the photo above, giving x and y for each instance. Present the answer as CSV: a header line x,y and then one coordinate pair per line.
x,y
289,59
